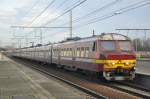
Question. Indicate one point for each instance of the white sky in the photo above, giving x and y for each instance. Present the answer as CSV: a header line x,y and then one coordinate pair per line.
x,y
22,12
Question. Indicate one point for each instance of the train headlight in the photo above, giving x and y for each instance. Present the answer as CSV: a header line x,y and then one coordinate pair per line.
x,y
128,63
113,63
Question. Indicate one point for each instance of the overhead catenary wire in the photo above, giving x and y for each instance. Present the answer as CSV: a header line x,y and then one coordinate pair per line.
x,y
109,15
59,6
76,4
114,13
106,16
98,10
36,17
68,10
95,11
117,12
30,9
125,9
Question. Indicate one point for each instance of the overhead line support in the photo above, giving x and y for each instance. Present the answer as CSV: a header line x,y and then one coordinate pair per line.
x,y
35,27
70,23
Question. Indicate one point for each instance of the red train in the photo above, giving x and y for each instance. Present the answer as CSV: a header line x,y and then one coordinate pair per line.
x,y
111,55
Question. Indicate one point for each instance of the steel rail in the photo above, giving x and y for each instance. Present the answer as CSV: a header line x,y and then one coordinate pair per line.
x,y
134,85
131,89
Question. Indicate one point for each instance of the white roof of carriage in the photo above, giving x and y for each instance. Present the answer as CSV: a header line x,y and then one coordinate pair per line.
x,y
103,36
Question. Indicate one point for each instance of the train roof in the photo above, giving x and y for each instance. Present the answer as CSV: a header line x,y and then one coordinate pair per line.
x,y
109,36
103,36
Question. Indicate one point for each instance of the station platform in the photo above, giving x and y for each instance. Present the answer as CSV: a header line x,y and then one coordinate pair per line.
x,y
143,67
20,82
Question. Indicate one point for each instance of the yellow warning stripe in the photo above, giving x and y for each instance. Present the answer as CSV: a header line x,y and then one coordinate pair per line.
x,y
115,61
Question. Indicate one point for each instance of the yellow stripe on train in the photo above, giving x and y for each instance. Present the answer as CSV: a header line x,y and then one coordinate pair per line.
x,y
115,61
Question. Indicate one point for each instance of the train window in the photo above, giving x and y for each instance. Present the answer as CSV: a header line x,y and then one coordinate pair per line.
x,y
70,51
82,52
87,48
125,45
94,46
61,52
74,53
64,52
54,51
57,52
78,52
108,45
86,51
82,48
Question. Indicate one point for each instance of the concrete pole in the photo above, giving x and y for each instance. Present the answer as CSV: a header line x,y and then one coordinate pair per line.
x,y
145,38
70,23
136,49
127,33
41,36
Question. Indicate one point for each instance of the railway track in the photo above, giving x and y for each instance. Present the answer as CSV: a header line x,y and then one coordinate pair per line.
x,y
132,88
134,85
95,92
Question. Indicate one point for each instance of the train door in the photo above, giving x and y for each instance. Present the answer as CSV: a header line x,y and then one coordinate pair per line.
x,y
73,56
44,50
34,51
95,50
47,54
58,55
51,54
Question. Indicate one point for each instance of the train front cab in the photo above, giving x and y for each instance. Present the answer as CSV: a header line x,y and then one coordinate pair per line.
x,y
117,57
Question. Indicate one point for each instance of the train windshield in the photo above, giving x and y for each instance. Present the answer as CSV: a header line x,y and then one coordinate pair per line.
x,y
125,45
108,45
